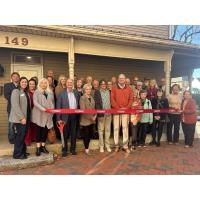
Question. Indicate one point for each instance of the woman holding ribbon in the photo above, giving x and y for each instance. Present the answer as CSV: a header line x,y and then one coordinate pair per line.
x,y
43,98
159,119
87,121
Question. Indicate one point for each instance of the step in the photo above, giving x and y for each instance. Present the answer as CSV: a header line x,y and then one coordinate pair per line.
x,y
7,149
57,147
8,163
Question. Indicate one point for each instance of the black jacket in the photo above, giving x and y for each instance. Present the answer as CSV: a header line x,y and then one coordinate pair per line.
x,y
163,104
8,88
98,102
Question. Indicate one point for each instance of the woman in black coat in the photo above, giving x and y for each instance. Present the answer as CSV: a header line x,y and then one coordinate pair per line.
x,y
159,119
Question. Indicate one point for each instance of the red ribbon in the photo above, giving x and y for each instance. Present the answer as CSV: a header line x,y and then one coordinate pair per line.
x,y
111,111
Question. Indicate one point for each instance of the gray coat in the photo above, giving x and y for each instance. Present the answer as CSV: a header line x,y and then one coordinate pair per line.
x,y
18,106
39,116
86,104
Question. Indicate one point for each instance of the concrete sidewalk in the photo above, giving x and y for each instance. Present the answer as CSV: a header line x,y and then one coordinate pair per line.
x,y
166,159
8,163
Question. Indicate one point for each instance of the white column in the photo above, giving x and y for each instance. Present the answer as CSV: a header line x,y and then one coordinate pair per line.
x,y
71,58
167,69
190,79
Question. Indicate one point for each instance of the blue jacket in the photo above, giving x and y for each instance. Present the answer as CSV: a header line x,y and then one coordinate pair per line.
x,y
63,102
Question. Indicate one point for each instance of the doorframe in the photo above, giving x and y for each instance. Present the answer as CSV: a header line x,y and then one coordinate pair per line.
x,y
27,54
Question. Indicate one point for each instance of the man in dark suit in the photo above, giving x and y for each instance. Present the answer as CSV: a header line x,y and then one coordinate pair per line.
x,y
51,73
8,88
69,98
162,85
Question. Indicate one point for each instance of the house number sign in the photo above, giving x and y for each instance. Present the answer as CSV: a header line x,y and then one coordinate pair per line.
x,y
16,41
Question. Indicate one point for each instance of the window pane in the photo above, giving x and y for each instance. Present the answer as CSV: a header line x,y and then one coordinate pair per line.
x,y
28,59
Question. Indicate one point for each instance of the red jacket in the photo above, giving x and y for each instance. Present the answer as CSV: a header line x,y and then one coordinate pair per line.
x,y
189,114
121,98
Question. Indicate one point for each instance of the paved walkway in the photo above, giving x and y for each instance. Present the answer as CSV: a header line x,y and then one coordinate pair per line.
x,y
167,159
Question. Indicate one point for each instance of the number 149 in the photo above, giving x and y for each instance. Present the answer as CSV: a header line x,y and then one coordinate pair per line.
x,y
16,41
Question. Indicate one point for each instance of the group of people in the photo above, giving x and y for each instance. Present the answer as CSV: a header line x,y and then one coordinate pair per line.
x,y
28,101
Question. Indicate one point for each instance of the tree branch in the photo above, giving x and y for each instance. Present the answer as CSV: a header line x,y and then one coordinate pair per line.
x,y
185,32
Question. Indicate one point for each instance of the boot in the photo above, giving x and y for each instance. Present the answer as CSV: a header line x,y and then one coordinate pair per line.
x,y
38,152
43,149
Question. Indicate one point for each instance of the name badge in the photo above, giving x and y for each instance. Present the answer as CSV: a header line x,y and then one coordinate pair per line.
x,y
22,95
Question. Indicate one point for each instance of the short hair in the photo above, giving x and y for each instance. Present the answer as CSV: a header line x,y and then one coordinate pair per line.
x,y
122,75
139,83
69,79
176,85
143,91
50,77
15,73
187,91
87,86
101,81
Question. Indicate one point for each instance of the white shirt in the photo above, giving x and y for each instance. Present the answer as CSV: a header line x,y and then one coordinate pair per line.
x,y
72,100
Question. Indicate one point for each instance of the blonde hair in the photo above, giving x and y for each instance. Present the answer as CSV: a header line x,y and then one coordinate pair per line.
x,y
39,83
59,79
87,86
153,82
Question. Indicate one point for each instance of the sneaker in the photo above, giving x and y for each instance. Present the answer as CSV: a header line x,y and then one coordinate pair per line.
x,y
101,150
187,146
109,149
170,143
139,145
176,143
116,149
144,145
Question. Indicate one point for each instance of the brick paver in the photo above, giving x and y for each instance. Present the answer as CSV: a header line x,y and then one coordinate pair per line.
x,y
167,159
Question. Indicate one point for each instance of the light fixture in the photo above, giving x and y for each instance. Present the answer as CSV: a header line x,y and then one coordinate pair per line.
x,y
28,57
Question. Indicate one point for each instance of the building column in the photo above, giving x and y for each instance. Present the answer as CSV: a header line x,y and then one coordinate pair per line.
x,y
190,79
71,58
167,70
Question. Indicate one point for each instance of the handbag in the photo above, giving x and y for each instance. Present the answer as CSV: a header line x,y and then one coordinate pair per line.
x,y
52,136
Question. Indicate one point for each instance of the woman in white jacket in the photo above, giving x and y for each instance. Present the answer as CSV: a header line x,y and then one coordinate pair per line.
x,y
43,98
